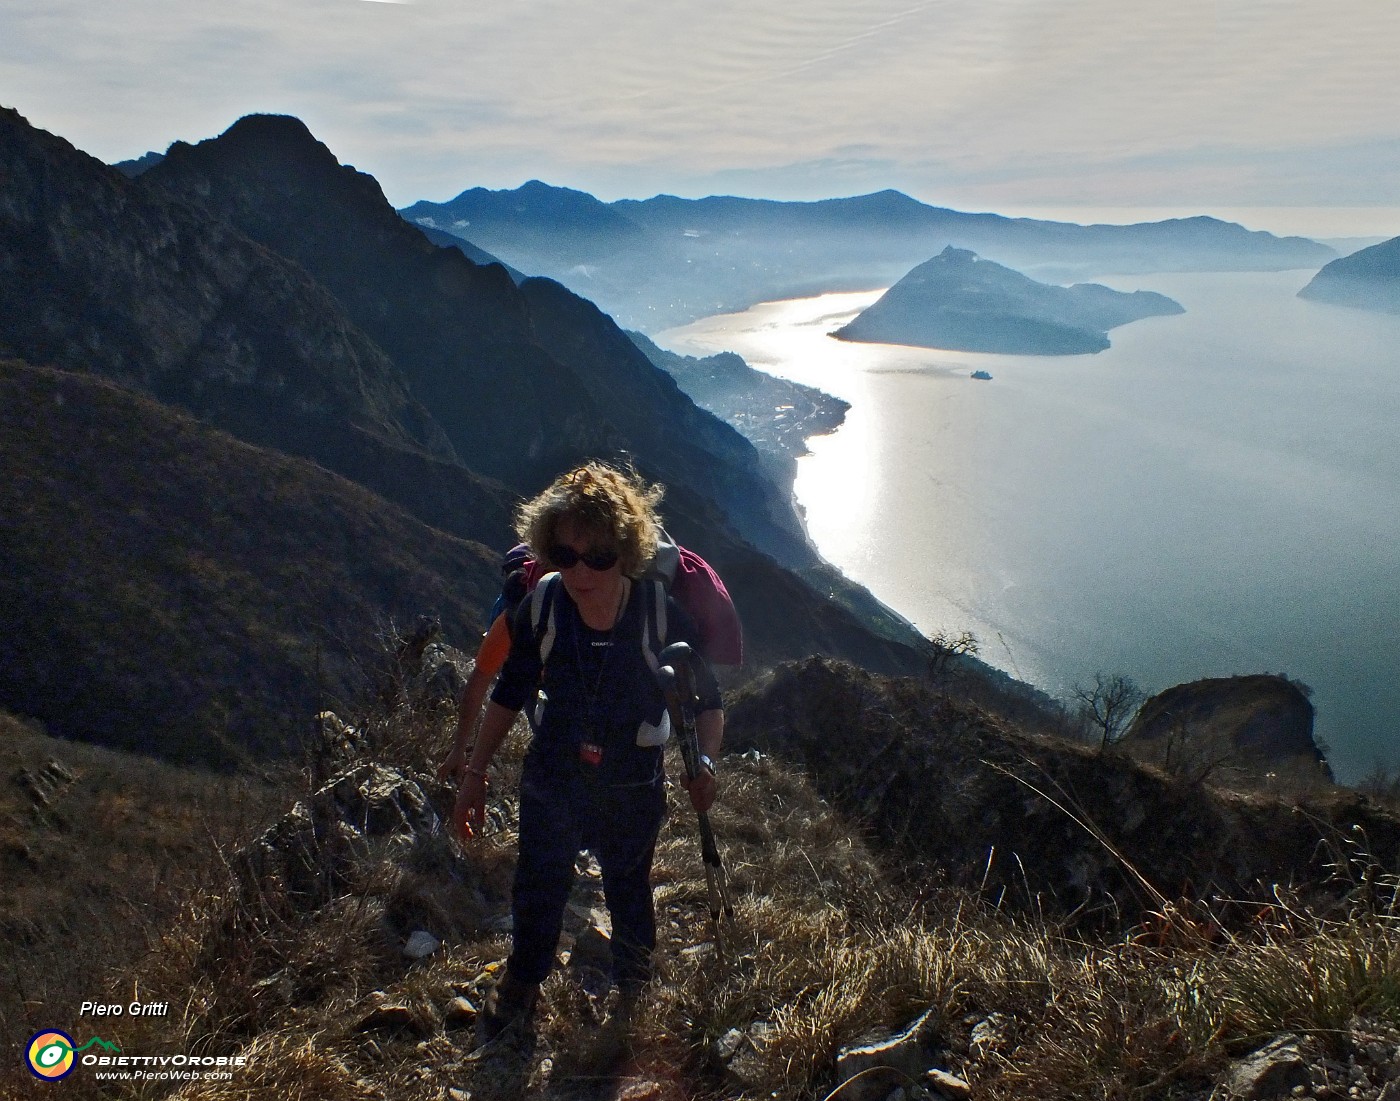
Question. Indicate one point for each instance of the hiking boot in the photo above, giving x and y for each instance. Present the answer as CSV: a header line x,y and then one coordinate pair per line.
x,y
612,1043
623,1013
510,1005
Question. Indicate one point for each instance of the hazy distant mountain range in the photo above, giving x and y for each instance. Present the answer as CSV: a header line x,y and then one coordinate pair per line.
x,y
959,301
1367,280
664,261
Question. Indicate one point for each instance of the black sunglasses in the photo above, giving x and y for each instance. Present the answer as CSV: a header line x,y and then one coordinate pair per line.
x,y
562,557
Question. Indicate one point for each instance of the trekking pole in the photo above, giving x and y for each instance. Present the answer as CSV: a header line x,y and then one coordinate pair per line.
x,y
678,686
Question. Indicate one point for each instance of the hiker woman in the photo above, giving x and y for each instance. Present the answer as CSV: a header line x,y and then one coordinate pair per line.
x,y
593,777
687,577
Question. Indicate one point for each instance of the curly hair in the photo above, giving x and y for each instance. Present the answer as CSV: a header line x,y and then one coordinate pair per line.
x,y
613,505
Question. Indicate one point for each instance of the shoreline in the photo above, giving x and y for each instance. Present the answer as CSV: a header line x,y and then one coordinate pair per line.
x,y
1183,586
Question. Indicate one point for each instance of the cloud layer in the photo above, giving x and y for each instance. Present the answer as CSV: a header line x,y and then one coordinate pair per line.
x,y
969,102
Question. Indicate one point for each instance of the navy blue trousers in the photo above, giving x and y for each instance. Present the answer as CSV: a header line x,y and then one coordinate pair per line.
x,y
565,809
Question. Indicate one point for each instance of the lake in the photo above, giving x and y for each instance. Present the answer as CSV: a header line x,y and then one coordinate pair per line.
x,y
1218,493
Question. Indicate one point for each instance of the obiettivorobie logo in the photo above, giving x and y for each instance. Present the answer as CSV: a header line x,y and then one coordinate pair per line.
x,y
51,1054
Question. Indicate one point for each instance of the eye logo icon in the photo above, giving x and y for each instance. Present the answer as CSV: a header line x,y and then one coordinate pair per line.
x,y
50,1055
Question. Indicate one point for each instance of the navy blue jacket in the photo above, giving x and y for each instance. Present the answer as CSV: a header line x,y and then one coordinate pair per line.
x,y
597,685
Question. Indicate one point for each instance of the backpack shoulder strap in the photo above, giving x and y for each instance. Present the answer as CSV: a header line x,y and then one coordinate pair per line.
x,y
654,625
543,622
666,560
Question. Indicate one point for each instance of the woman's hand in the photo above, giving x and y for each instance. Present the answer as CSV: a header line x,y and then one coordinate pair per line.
x,y
451,768
709,730
469,810
702,790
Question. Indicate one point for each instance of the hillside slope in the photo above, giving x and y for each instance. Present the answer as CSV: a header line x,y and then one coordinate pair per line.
x,y
97,274
963,790
100,850
170,589
296,960
124,279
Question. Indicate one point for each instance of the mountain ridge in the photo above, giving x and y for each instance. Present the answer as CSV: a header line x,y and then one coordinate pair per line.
x,y
96,274
81,229
548,367
679,259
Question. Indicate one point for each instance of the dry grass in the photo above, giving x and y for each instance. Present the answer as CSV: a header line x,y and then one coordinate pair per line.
x,y
98,858
1315,981
829,945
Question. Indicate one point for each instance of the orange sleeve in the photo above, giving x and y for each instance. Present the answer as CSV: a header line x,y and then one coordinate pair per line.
x,y
491,654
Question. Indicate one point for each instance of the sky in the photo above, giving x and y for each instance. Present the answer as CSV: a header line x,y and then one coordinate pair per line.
x,y
1009,105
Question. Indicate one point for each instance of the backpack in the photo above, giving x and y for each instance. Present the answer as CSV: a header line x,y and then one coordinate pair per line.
x,y
680,572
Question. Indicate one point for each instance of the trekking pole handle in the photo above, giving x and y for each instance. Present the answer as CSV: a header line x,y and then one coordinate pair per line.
x,y
690,752
681,720
679,656
678,653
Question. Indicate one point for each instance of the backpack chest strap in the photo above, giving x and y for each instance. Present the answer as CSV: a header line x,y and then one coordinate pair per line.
x,y
544,619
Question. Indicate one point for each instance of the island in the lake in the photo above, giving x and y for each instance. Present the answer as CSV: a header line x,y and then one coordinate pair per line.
x,y
960,302
1365,280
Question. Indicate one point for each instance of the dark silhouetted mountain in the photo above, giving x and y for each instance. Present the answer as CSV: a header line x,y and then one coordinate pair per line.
x,y
167,298
1366,280
97,274
133,168
469,250
100,277
666,260
458,331
170,589
525,380
961,302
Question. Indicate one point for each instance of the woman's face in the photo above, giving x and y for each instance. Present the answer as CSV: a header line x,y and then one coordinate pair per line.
x,y
593,571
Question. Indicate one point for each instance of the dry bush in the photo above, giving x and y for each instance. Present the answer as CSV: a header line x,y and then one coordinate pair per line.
x,y
1315,981
1109,1027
